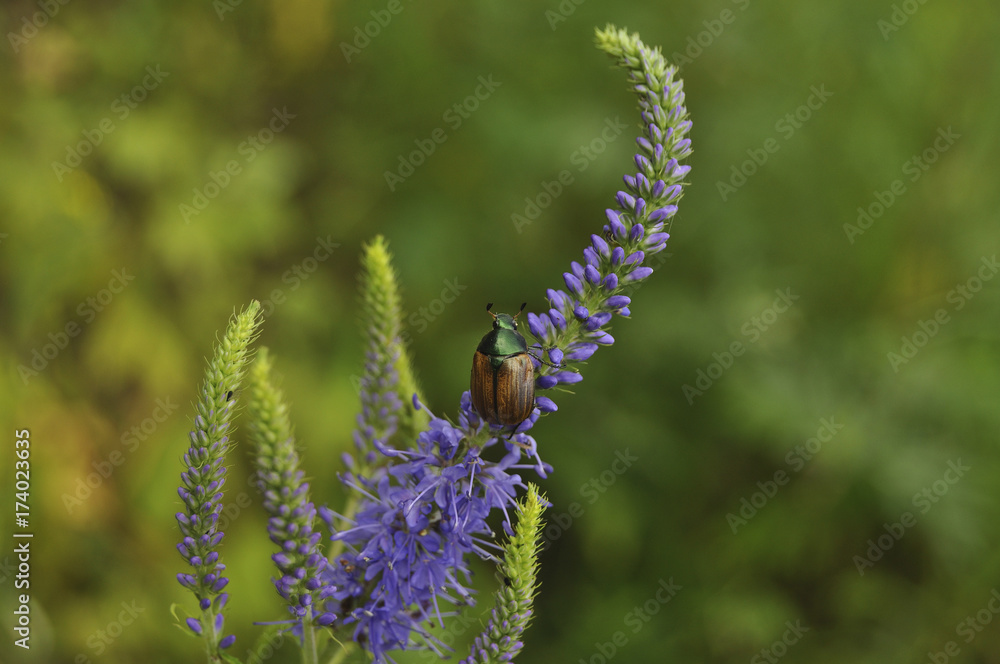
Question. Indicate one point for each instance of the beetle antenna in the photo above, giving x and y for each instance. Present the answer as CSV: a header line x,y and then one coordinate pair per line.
x,y
523,305
488,307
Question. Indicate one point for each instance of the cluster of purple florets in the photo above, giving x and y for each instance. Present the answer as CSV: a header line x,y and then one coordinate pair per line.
x,y
420,518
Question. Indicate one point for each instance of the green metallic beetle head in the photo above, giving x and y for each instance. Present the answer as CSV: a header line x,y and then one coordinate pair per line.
x,y
505,321
503,340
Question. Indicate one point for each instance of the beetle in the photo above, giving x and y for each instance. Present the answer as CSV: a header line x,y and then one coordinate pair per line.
x,y
503,377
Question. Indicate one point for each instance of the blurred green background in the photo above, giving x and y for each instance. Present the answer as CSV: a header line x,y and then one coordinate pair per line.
x,y
115,115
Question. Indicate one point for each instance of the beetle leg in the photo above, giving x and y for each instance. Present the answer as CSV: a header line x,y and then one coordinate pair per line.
x,y
544,361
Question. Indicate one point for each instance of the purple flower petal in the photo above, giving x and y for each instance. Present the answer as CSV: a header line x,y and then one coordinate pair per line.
x,y
598,320
638,273
663,213
617,301
557,319
581,351
567,377
546,405
617,227
603,338
600,245
634,258
625,200
573,284
655,239
194,625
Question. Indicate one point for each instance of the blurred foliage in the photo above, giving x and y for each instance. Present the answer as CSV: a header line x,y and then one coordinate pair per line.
x,y
125,365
